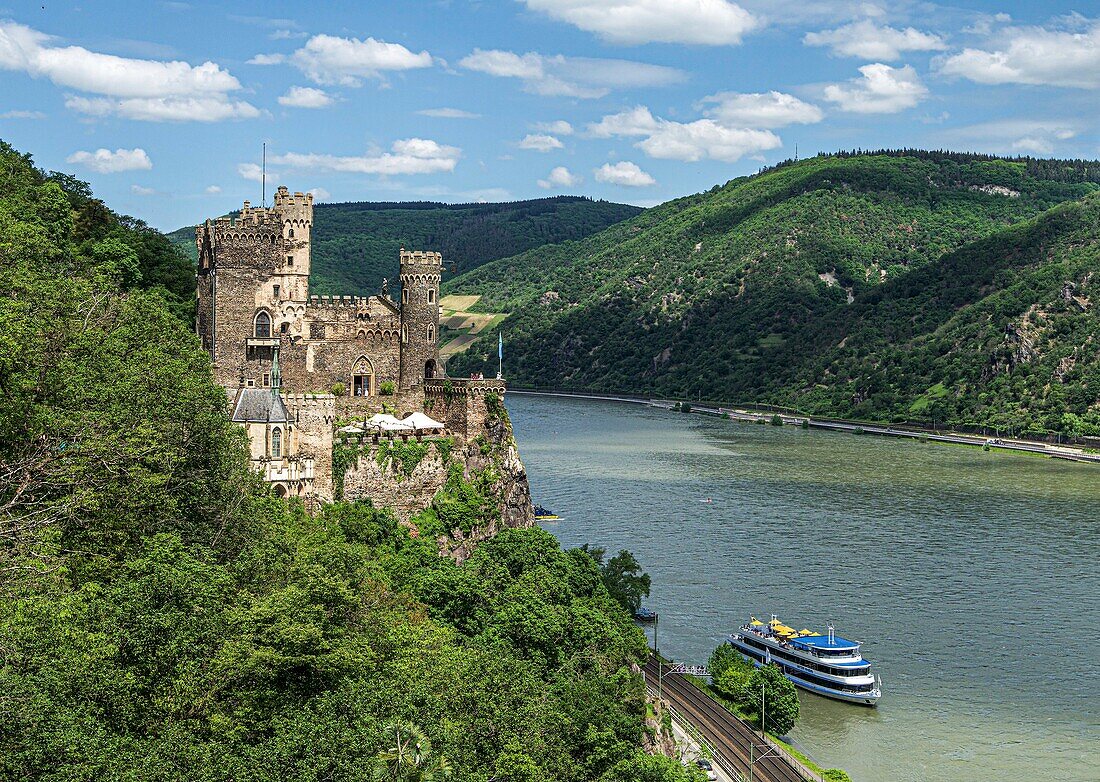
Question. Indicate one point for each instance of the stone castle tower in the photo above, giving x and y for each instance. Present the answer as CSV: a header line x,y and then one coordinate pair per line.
x,y
420,276
319,357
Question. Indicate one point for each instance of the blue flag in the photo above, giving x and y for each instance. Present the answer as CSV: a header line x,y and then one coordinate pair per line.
x,y
500,346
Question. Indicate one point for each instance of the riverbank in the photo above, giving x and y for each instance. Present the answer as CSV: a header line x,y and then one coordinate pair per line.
x,y
766,416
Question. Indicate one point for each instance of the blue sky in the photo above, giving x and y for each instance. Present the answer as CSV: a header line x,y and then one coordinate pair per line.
x,y
163,106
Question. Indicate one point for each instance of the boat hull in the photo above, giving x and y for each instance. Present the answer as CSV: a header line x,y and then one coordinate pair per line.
x,y
858,698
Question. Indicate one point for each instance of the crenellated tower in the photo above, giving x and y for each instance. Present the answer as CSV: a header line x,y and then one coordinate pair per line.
x,y
296,213
421,273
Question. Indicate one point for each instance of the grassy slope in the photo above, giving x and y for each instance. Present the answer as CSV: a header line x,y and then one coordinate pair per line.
x,y
720,295
355,245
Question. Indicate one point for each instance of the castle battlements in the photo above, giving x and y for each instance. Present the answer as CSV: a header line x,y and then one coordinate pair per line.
x,y
357,302
420,256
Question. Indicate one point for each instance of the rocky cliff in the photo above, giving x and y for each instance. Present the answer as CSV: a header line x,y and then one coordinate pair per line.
x,y
460,491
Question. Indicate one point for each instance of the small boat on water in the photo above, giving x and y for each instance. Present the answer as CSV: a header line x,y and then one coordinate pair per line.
x,y
823,664
644,614
542,514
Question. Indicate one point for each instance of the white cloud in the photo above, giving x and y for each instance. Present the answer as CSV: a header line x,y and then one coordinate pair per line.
x,y
267,59
761,110
20,114
688,141
539,142
214,108
1032,145
560,176
869,41
625,173
142,191
448,113
1013,136
714,22
328,59
212,190
306,98
558,127
706,138
406,156
320,194
574,77
135,89
1033,55
880,90
250,171
637,121
107,162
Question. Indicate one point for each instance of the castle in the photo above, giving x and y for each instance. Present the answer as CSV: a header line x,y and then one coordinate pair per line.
x,y
294,365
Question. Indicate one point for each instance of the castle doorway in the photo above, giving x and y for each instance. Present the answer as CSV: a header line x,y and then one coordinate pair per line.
x,y
429,369
362,377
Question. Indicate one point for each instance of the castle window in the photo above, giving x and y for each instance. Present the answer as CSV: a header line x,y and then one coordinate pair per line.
x,y
290,234
404,333
276,443
431,333
276,289
290,260
431,295
263,325
267,379
273,240
404,295
283,327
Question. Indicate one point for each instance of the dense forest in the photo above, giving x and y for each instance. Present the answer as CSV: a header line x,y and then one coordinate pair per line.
x,y
165,618
355,245
932,287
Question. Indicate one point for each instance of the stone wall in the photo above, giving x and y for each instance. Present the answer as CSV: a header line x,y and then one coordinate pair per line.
x,y
312,418
387,486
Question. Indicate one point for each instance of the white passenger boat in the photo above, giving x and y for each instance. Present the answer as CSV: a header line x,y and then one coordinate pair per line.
x,y
824,664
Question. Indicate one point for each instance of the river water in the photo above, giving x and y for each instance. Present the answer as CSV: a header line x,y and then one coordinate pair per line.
x,y
973,578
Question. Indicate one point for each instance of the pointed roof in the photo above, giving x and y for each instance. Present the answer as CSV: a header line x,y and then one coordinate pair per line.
x,y
259,405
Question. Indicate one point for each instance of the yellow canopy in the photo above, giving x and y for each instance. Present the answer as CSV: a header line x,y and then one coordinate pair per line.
x,y
804,631
756,622
784,630
775,622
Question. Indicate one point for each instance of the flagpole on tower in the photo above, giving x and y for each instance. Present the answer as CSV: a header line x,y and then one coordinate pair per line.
x,y
263,177
500,355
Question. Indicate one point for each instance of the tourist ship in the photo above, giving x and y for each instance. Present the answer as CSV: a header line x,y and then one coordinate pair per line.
x,y
824,664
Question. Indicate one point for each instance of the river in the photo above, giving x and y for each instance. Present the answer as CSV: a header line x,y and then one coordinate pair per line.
x,y
973,578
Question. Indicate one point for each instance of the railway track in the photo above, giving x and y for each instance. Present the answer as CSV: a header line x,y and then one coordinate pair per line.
x,y
729,737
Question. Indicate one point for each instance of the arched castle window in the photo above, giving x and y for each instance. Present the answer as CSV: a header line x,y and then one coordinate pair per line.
x,y
276,443
362,377
404,333
431,333
404,295
272,240
290,234
263,325
431,295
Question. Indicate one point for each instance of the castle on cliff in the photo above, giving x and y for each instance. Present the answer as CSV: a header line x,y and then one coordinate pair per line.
x,y
294,364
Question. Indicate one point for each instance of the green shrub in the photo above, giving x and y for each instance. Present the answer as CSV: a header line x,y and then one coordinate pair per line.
x,y
805,423
685,407
836,775
777,420
338,389
386,388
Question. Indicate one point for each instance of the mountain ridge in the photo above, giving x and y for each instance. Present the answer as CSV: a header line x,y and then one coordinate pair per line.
x,y
718,295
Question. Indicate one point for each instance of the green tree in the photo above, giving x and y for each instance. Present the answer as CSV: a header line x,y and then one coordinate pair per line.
x,y
410,757
780,699
625,580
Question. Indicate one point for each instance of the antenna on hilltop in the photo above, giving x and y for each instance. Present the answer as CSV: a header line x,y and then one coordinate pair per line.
x,y
263,176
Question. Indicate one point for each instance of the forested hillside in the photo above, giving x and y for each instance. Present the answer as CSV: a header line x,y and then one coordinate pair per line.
x,y
165,618
889,286
355,245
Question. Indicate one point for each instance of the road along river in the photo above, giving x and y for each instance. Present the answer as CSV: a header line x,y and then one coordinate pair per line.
x,y
972,577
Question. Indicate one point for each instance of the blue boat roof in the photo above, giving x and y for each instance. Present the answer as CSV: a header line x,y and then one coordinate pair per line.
x,y
823,642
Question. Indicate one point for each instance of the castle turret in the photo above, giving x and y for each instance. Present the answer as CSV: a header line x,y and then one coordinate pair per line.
x,y
420,276
296,213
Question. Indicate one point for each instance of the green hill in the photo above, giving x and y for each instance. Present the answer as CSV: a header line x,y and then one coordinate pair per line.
x,y
890,286
355,245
